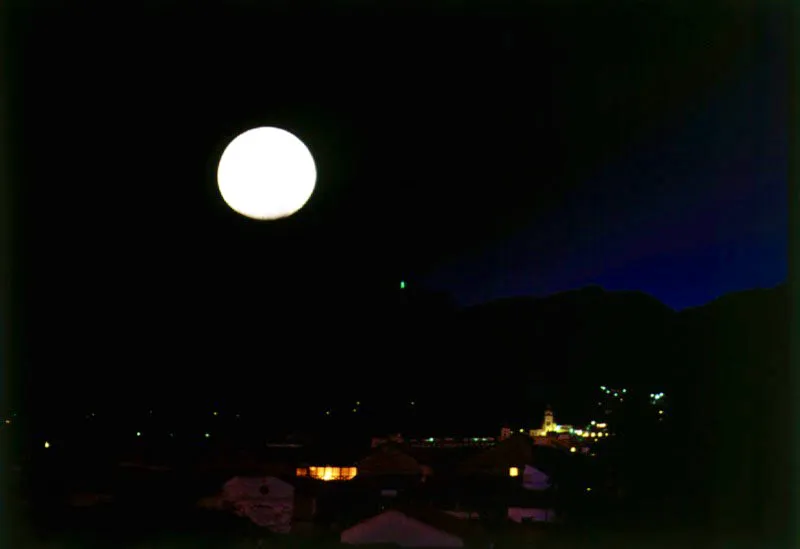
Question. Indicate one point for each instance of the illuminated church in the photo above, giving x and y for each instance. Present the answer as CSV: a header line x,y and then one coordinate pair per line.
x,y
549,426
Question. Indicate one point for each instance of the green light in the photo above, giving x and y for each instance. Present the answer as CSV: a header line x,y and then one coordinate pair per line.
x,y
402,285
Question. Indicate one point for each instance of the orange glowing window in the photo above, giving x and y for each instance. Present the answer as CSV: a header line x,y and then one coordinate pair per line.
x,y
331,473
302,472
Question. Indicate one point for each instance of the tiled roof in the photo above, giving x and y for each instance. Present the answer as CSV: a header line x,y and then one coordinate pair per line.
x,y
389,461
514,452
467,530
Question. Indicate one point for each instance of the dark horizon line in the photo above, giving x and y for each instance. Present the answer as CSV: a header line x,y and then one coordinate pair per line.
x,y
468,304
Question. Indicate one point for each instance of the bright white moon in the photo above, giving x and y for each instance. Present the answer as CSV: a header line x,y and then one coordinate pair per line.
x,y
266,173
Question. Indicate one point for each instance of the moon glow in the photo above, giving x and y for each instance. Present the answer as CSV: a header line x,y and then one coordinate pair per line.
x,y
266,173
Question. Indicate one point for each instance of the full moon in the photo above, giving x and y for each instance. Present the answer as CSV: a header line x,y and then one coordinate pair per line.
x,y
266,173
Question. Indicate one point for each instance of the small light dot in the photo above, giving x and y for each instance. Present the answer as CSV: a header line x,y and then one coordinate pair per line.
x,y
207,435
47,444
138,434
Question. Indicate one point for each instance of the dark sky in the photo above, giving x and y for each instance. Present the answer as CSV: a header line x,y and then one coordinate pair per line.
x,y
485,155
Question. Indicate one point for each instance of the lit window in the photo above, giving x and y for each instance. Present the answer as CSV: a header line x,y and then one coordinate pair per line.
x,y
329,473
573,450
513,472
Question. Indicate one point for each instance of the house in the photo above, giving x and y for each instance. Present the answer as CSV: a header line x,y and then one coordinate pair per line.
x,y
531,514
416,527
266,501
505,459
534,479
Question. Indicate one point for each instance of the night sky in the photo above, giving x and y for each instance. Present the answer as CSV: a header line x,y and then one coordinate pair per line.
x,y
636,148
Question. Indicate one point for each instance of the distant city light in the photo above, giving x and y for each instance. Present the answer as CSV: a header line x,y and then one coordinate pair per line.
x,y
402,285
328,413
588,489
207,435
358,403
661,411
602,388
215,413
593,422
412,402
47,444
138,433
573,450
624,390
8,422
354,409
601,425
513,472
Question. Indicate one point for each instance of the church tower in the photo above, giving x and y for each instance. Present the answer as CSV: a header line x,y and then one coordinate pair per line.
x,y
549,423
